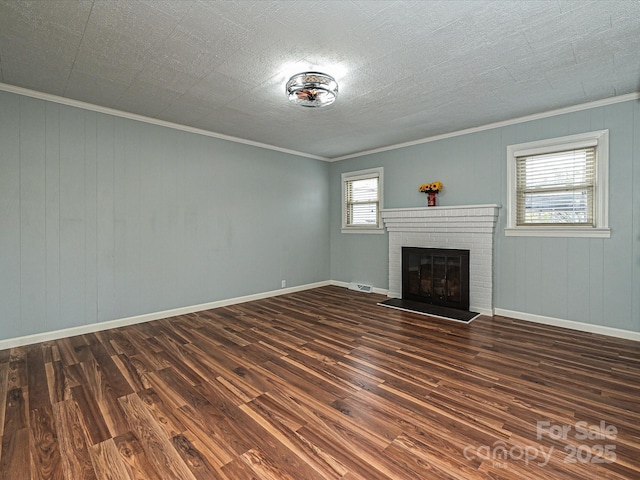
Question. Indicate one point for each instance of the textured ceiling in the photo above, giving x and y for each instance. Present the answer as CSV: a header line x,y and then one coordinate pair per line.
x,y
407,70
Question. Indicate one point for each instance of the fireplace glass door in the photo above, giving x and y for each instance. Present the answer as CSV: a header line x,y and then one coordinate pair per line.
x,y
436,276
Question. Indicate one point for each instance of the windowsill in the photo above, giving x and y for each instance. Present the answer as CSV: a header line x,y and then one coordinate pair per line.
x,y
574,232
362,230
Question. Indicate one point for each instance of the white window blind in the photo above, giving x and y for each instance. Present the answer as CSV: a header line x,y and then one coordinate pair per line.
x,y
559,187
556,188
362,202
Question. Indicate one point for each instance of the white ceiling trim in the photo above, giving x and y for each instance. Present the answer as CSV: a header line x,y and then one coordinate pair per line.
x,y
528,118
141,118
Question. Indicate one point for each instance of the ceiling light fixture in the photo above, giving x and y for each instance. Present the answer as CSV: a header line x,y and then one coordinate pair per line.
x,y
312,89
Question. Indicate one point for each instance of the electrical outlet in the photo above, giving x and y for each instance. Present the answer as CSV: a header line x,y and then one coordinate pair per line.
x,y
284,283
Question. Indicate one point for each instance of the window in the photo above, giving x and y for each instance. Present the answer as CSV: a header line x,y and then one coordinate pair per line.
x,y
362,201
558,187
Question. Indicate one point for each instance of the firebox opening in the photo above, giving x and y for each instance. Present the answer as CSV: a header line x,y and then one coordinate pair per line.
x,y
435,281
436,276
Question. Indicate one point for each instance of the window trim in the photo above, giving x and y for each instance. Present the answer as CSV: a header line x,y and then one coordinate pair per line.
x,y
357,175
600,139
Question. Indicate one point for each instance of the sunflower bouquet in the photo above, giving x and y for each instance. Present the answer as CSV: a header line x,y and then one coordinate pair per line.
x,y
433,187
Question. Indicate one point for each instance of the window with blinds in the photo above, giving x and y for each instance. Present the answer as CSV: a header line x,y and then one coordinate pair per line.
x,y
362,200
556,188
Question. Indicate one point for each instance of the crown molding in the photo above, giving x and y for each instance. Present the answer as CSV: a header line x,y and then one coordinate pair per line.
x,y
176,126
153,121
528,118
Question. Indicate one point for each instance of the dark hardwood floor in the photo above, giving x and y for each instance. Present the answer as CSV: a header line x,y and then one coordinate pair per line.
x,y
322,384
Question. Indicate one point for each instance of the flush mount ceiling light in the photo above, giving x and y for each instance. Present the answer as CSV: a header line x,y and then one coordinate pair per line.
x,y
312,89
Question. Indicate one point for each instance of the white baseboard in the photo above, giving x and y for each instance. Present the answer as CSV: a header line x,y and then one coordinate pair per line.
x,y
147,317
338,283
580,326
96,327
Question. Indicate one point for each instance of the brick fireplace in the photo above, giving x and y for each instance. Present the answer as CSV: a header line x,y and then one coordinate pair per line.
x,y
467,227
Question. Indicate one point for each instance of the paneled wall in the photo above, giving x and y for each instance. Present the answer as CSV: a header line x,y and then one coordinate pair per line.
x,y
105,218
595,281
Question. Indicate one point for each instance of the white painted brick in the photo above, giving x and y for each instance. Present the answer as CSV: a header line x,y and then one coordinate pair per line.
x,y
469,228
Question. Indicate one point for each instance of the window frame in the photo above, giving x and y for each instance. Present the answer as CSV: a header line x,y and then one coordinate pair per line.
x,y
378,173
600,139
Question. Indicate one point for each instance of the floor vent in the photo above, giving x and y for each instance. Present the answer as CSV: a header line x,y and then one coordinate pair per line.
x,y
360,287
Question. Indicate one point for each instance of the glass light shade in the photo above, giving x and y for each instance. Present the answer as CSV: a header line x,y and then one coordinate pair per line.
x,y
312,89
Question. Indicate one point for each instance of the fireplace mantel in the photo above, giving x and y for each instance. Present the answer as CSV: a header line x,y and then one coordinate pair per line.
x,y
469,227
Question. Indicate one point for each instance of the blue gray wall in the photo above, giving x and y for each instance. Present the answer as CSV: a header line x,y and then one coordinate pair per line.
x,y
594,281
105,218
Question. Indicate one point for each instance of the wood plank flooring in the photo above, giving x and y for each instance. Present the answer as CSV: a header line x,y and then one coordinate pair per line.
x,y
321,384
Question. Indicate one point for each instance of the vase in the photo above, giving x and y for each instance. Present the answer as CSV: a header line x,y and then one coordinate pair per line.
x,y
431,199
